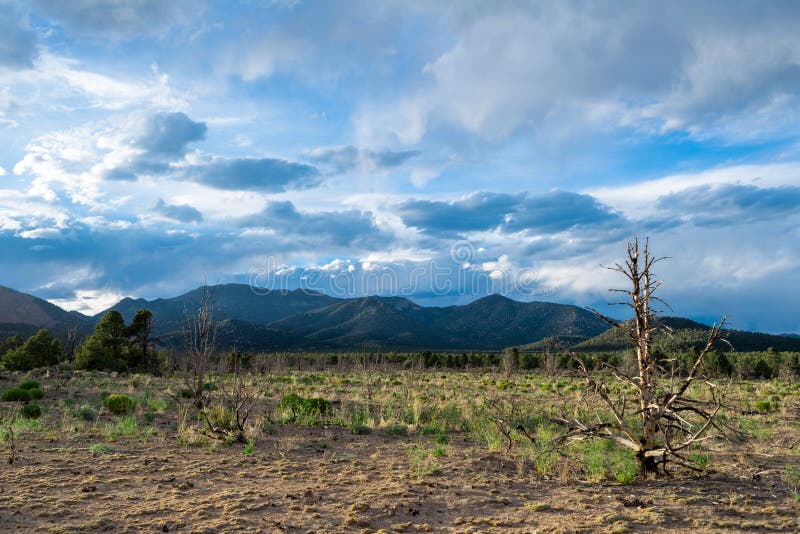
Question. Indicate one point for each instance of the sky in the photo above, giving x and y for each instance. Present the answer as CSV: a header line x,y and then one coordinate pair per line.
x,y
435,150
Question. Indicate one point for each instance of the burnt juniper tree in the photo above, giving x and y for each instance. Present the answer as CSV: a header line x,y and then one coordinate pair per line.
x,y
199,343
666,415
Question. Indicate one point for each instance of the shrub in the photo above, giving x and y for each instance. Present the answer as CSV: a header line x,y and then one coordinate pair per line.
x,y
119,404
16,394
30,384
31,411
361,430
298,406
221,417
87,413
396,430
36,393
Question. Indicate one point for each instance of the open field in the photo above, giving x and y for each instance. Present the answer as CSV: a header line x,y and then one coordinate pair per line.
x,y
394,450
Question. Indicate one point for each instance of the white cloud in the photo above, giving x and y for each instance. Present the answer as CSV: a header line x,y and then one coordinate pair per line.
x,y
41,233
105,91
8,223
559,68
261,58
639,199
89,301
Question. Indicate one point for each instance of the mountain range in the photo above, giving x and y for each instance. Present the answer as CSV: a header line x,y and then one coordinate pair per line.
x,y
303,320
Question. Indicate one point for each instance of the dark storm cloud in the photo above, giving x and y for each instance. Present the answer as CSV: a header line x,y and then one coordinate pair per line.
x,y
549,213
480,211
251,174
349,227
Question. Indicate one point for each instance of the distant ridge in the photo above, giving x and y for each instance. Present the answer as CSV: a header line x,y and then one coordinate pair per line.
x,y
685,333
306,320
23,314
302,320
231,301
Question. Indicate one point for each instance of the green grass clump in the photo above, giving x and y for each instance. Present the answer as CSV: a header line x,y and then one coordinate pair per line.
x,y
361,430
119,404
30,384
127,427
430,429
31,411
296,407
36,393
604,460
220,416
700,460
100,448
763,406
396,430
17,395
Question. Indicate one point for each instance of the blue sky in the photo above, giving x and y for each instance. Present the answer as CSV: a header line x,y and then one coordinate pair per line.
x,y
364,147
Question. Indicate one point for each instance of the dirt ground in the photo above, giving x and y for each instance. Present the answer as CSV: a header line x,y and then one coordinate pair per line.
x,y
72,475
329,480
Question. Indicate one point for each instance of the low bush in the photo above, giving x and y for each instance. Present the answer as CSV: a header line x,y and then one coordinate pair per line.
x,y
31,411
119,404
396,430
87,413
17,395
36,393
30,384
298,407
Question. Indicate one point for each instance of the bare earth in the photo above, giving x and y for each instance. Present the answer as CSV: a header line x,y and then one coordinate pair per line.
x,y
326,479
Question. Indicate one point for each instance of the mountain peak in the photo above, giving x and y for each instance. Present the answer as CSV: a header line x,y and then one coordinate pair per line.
x,y
493,299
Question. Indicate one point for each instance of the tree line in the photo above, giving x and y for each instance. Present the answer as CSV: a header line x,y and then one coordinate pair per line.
x,y
113,346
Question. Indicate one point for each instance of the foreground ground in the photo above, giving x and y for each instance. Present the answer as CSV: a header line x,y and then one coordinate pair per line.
x,y
110,474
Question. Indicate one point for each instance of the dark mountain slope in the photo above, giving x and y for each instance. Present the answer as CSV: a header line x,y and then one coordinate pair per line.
x,y
231,301
488,323
20,308
23,315
685,333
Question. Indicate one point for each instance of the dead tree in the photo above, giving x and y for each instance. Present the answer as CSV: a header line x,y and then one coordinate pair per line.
x,y
670,418
199,342
227,415
71,342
